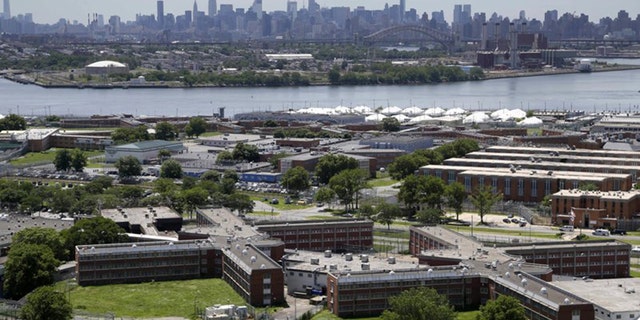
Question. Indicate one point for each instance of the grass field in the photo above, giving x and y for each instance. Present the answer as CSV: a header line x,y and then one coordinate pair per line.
x,y
154,299
507,232
382,182
45,156
391,234
264,213
326,315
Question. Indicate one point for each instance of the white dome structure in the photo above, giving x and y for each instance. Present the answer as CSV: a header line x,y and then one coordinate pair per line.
x,y
476,117
530,122
454,112
434,112
391,110
106,67
374,118
422,118
412,111
362,109
401,117
342,110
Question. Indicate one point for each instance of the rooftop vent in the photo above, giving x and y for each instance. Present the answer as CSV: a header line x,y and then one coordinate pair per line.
x,y
327,253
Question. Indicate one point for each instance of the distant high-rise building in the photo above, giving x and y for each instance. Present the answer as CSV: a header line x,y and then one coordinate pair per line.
x,y
292,9
457,14
213,8
257,8
6,13
195,11
160,16
313,6
523,15
403,9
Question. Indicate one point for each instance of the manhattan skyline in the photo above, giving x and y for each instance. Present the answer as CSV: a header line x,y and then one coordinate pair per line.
x,y
46,11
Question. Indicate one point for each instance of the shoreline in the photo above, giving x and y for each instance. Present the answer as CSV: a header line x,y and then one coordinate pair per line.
x,y
490,75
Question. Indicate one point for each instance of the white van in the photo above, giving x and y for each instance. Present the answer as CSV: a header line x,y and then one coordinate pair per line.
x,y
601,232
567,228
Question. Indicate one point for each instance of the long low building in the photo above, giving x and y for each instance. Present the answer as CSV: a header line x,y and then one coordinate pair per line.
x,y
596,209
252,273
143,151
526,185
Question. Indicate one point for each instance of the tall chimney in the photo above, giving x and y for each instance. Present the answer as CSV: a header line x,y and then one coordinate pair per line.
x,y
496,35
483,44
513,46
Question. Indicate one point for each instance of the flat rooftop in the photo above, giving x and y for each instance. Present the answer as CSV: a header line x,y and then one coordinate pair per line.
x,y
223,223
561,151
545,157
347,262
144,217
614,295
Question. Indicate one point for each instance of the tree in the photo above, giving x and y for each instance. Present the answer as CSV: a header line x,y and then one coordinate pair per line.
x,y
193,198
390,124
455,195
13,122
483,199
45,303
62,161
502,308
325,194
275,159
166,131
211,175
28,266
430,215
347,184
387,213
128,166
196,127
126,135
78,160
246,152
163,155
406,165
270,123
331,164
171,169
240,202
93,231
296,179
420,303
334,76
224,156
44,236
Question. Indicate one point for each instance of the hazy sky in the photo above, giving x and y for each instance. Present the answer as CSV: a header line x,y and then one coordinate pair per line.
x,y
49,11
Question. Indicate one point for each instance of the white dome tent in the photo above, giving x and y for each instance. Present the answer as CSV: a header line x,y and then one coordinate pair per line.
x,y
476,117
422,118
455,112
391,110
374,118
412,111
530,122
362,109
401,117
434,112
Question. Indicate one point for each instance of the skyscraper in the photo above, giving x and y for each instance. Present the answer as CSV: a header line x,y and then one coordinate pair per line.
x,y
195,11
257,8
160,17
213,8
6,13
313,6
403,9
292,9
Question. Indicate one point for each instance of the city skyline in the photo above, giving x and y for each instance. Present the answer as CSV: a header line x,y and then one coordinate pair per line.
x,y
45,11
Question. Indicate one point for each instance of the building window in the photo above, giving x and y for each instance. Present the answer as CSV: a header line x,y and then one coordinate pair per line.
x,y
494,184
520,187
452,177
507,186
534,188
547,187
467,184
481,181
561,184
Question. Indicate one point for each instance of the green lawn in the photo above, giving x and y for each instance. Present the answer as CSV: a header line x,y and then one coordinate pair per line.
x,y
210,134
635,273
153,299
497,231
32,158
265,213
391,234
281,205
381,182
326,315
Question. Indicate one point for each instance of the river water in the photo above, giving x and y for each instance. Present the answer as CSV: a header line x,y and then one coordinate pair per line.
x,y
599,91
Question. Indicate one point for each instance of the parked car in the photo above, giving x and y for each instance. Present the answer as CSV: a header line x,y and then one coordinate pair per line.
x,y
567,228
621,232
274,201
506,220
601,232
515,220
636,249
301,202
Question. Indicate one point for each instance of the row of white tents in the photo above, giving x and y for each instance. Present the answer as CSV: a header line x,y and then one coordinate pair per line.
x,y
415,115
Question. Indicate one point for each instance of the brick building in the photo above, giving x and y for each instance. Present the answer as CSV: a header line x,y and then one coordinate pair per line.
x,y
596,209
336,235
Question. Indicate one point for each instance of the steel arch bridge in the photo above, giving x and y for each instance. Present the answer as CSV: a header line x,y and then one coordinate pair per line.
x,y
445,39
